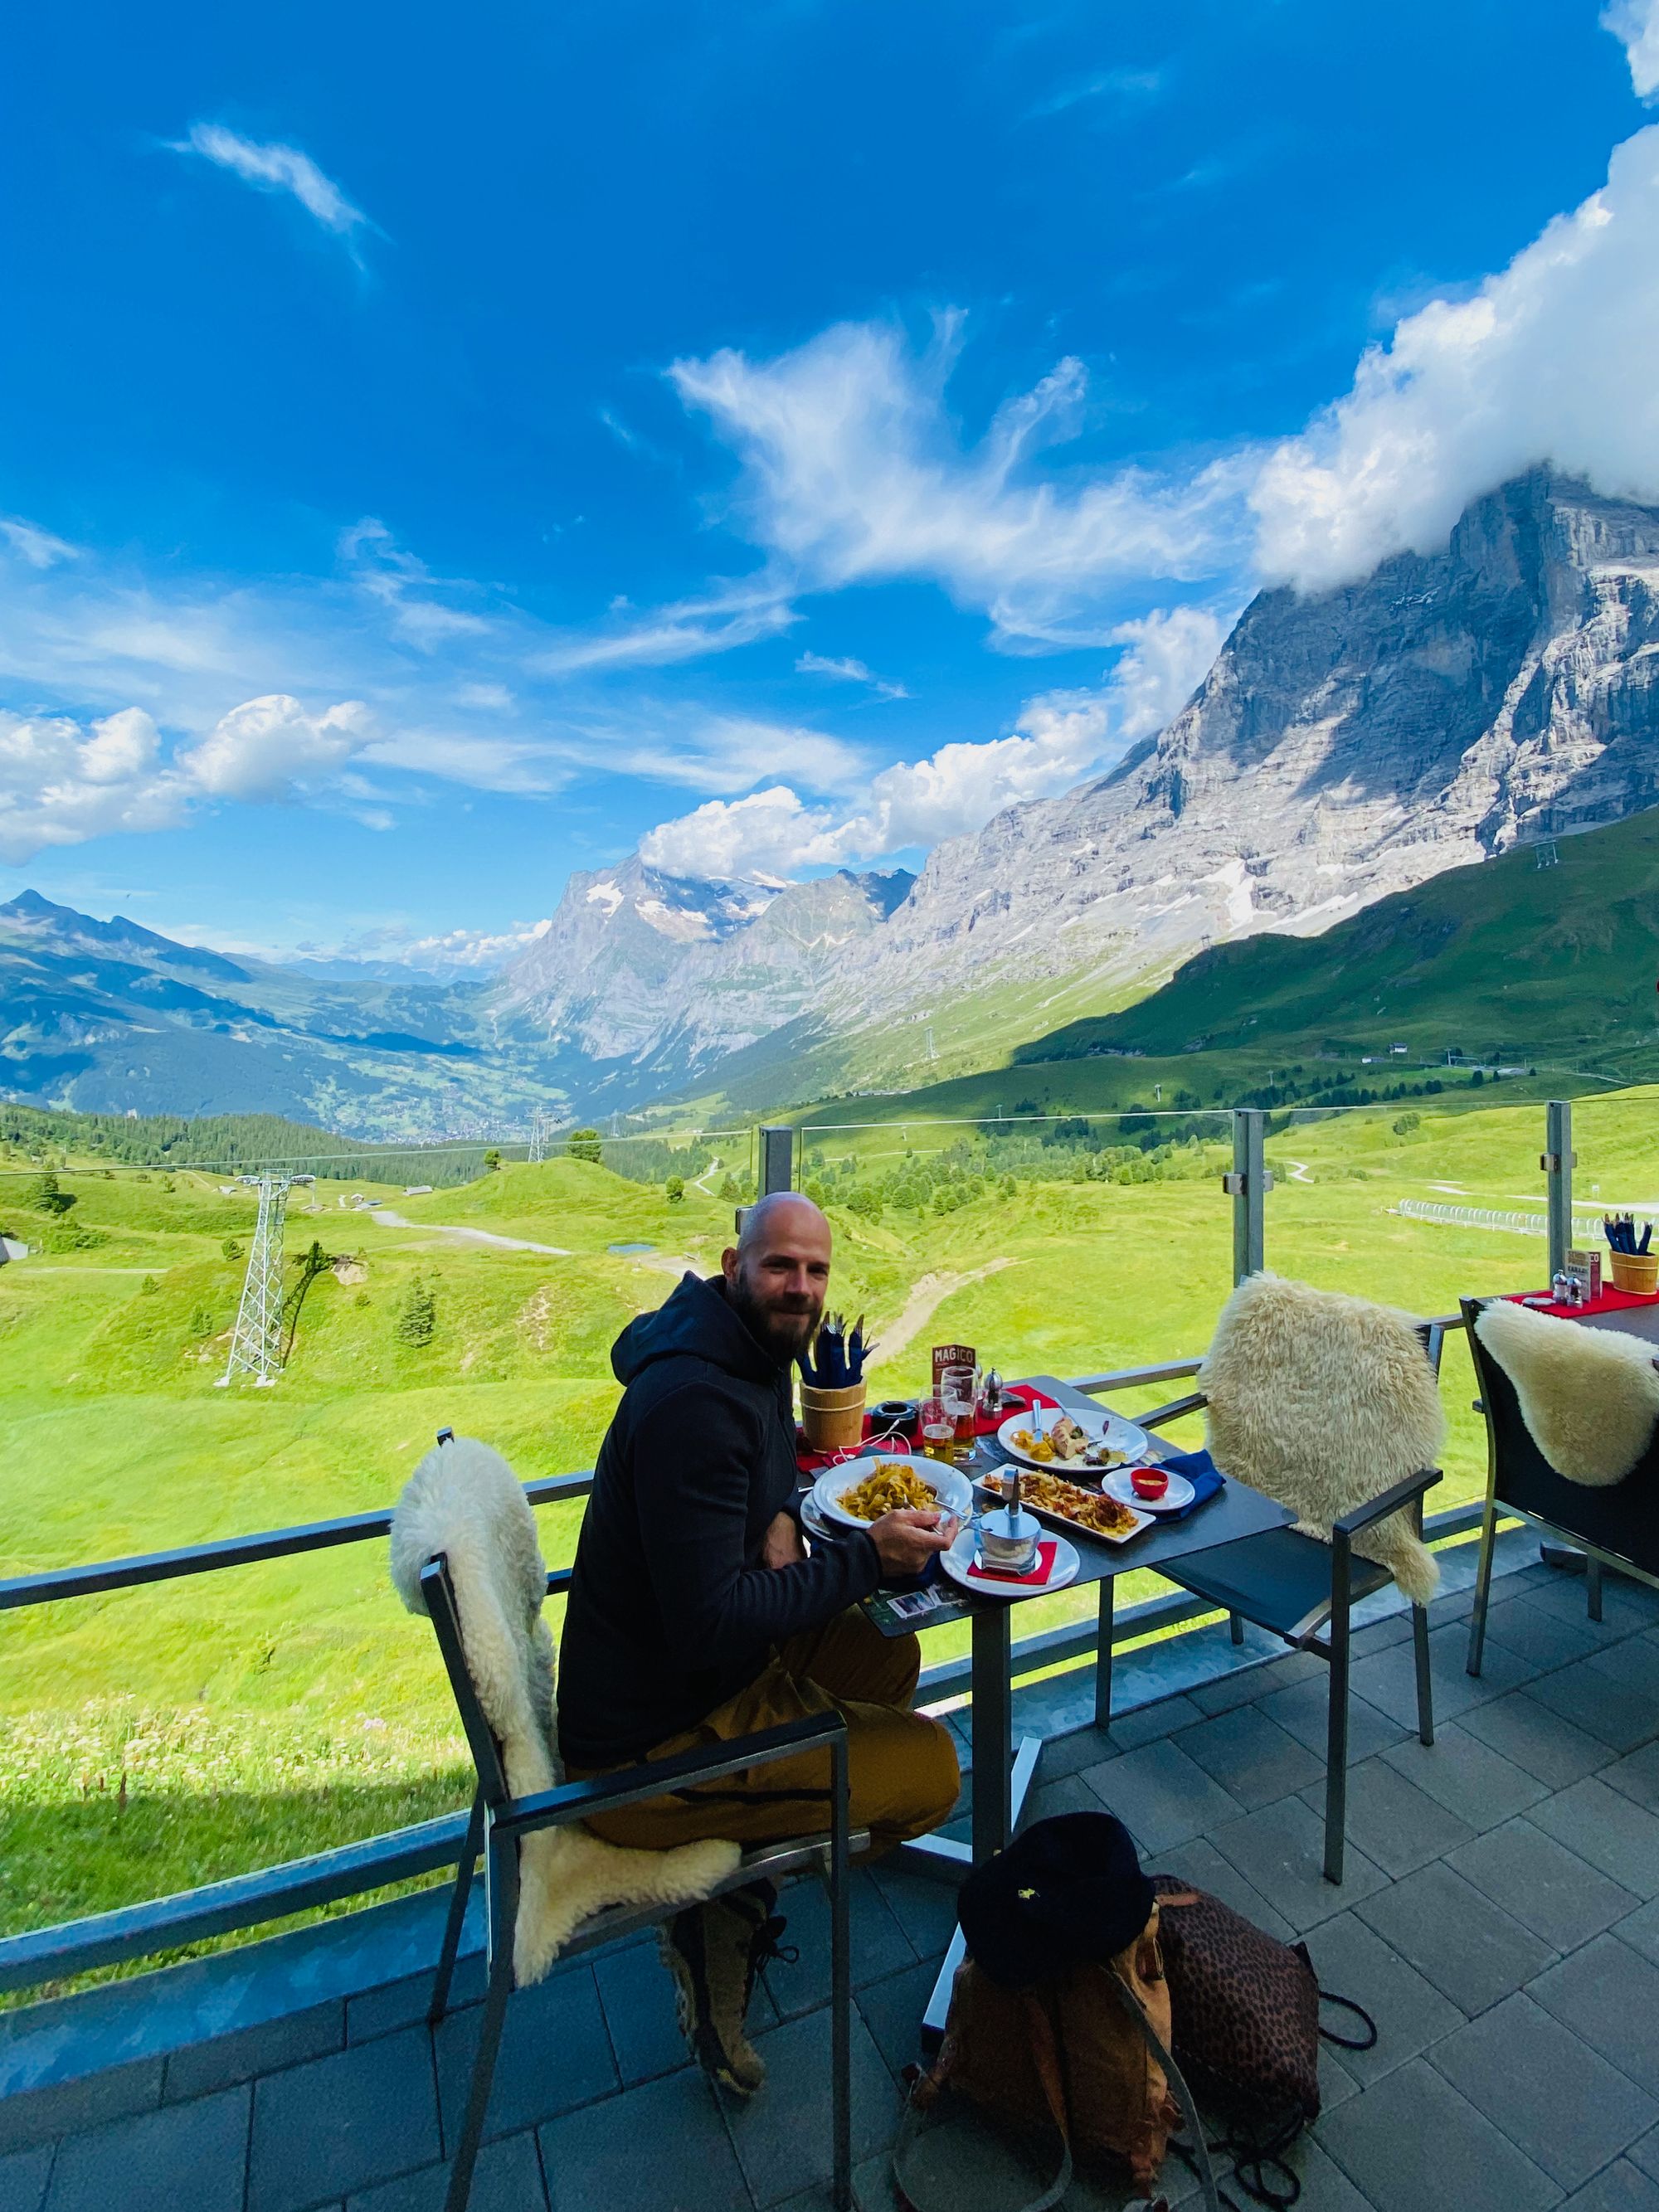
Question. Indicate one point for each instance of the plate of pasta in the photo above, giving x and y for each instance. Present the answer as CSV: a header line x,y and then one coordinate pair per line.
x,y
860,1491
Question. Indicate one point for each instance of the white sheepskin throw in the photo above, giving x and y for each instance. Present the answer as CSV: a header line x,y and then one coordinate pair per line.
x,y
464,1501
1588,1396
1323,1402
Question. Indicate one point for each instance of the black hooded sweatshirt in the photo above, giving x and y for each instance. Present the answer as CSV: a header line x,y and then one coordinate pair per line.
x,y
671,1610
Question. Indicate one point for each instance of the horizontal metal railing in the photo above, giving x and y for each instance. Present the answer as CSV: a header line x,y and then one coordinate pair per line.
x,y
271,1893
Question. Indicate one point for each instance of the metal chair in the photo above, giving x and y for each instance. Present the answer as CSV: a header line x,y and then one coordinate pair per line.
x,y
1615,1527
499,1820
1293,1586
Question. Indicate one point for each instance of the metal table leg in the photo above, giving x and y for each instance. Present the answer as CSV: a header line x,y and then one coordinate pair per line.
x,y
1002,1778
1104,1654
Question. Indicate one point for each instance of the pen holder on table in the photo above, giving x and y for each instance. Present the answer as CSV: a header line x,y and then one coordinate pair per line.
x,y
833,1419
1637,1273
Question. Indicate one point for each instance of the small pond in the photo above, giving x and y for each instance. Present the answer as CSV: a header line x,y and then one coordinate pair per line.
x,y
630,1247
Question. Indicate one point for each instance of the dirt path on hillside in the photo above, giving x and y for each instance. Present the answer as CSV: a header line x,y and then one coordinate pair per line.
x,y
390,1221
925,1300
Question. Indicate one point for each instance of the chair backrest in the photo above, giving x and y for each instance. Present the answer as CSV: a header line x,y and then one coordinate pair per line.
x,y
1622,1519
439,1591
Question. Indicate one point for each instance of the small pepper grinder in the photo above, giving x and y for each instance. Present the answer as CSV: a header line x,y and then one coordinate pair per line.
x,y
991,1392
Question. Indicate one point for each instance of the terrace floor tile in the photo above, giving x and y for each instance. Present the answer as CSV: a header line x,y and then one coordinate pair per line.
x,y
1247,1684
1281,1851
1394,1823
1389,1681
1471,1951
554,2055
1304,1711
1353,1961
1548,1638
637,1993
1200,1863
1636,1777
781,2138
139,2163
1411,2141
1253,1759
892,2012
506,2179
1070,1753
341,2123
1537,1737
1592,1695
1466,1777
1609,1995
1604,1827
661,2147
924,1909
1553,2096
1619,2188
1624,1612
1546,1886
1147,1724
1641,1931
879,1944
1162,1796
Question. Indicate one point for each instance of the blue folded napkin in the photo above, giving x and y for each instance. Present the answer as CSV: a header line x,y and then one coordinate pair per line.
x,y
1201,1470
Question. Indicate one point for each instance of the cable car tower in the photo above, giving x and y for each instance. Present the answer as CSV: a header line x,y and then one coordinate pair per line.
x,y
256,1346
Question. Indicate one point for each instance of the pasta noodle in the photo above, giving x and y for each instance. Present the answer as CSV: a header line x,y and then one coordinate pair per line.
x,y
891,1486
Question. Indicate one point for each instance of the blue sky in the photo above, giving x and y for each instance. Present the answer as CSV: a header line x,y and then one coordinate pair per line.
x,y
443,452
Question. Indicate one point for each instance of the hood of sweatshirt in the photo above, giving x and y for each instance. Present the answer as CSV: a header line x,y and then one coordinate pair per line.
x,y
696,1322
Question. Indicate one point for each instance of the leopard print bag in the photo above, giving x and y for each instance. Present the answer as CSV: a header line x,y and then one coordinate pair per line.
x,y
1245,2008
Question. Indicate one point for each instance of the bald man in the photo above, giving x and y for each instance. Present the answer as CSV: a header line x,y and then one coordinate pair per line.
x,y
695,1615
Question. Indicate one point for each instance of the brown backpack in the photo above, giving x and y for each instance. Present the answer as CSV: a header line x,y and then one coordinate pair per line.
x,y
1085,2053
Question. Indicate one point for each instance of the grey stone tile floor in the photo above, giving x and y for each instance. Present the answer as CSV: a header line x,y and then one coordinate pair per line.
x,y
1499,1918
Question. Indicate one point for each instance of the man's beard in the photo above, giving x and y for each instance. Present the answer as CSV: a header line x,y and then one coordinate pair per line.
x,y
781,1333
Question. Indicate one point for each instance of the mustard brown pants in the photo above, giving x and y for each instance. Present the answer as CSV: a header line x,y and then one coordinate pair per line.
x,y
901,1766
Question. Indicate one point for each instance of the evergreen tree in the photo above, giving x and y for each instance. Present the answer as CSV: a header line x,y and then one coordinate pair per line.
x,y
674,1189
417,1317
584,1145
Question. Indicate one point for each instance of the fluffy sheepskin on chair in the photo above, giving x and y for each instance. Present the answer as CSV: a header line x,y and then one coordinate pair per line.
x,y
1590,1397
465,1501
1323,1401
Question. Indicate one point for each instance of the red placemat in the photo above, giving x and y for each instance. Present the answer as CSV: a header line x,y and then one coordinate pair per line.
x,y
1017,1397
1039,1573
1611,1301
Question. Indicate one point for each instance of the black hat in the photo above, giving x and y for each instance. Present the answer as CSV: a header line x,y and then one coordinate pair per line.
x,y
1069,1890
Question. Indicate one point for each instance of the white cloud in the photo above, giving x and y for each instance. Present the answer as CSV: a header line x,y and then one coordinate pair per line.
x,y
405,586
61,784
1057,738
850,671
32,543
852,472
1166,656
273,748
768,833
1635,24
1550,360
276,168
684,632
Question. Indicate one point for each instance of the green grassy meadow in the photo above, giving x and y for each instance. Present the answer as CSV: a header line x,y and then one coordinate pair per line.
x,y
154,1739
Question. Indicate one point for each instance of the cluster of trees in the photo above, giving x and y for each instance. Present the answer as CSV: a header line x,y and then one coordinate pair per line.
x,y
234,1144
995,1166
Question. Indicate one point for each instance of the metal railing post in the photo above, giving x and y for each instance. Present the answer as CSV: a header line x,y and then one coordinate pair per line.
x,y
1248,1185
1558,1161
777,1160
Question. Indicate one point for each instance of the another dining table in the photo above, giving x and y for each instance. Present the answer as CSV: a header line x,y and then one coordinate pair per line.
x,y
1002,1772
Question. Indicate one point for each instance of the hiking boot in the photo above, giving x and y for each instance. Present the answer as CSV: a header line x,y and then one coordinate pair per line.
x,y
713,1951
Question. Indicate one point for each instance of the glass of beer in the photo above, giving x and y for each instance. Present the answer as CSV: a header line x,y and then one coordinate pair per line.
x,y
938,1431
958,1393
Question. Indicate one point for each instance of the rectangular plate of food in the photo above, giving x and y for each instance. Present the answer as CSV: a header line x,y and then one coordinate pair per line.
x,y
1068,1505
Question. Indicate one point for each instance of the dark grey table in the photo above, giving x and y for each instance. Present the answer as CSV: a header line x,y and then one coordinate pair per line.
x,y
1001,1774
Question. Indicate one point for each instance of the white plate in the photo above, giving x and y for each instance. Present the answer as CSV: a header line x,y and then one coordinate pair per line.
x,y
1116,1483
957,1561
954,1491
1109,1429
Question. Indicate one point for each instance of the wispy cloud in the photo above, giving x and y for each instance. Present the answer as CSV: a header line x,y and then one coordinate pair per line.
x,y
1119,88
686,631
849,671
274,168
32,543
1635,24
